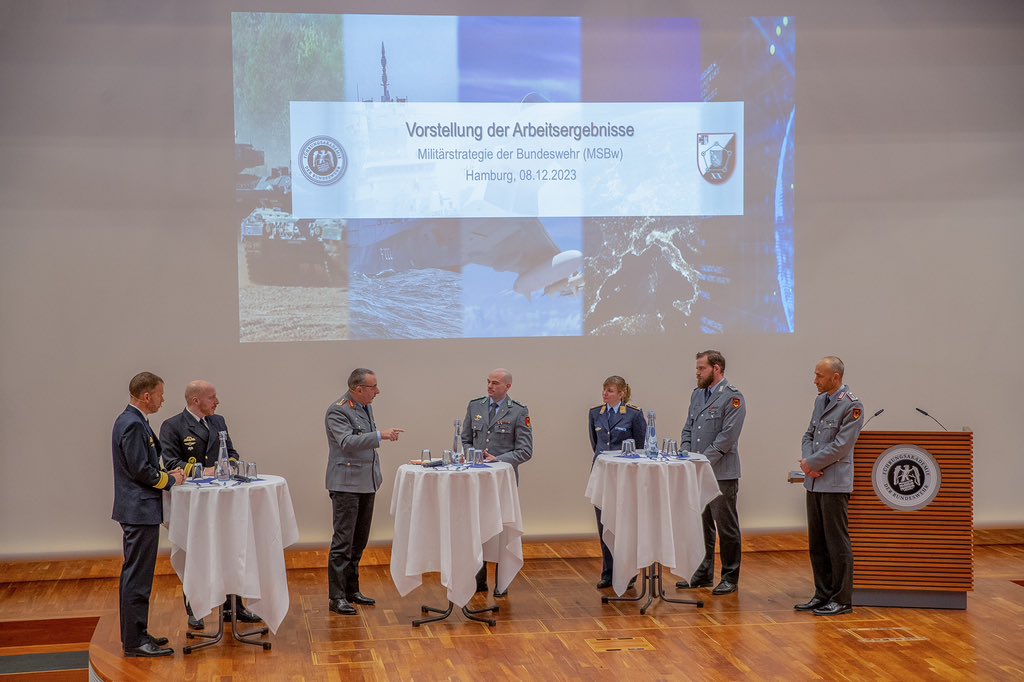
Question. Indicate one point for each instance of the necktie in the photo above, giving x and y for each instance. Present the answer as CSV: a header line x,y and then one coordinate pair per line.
x,y
707,395
494,409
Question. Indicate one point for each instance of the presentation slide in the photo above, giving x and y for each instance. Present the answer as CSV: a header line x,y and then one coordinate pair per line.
x,y
425,177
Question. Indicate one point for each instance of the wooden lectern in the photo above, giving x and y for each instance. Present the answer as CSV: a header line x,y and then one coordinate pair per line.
x,y
912,528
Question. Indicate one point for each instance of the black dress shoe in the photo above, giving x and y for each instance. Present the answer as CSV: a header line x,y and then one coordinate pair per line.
x,y
147,650
196,623
833,609
604,583
343,607
361,599
481,587
811,604
159,641
693,583
500,594
725,587
244,615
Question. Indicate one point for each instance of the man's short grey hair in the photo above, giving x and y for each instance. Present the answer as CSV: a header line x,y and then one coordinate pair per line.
x,y
835,364
358,377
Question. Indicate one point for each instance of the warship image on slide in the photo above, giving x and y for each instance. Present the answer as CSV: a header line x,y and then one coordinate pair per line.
x,y
387,247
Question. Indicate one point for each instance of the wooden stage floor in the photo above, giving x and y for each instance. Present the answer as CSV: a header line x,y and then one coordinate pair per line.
x,y
552,626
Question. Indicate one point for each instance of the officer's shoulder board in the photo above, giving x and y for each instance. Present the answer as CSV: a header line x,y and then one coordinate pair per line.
x,y
476,400
516,402
852,397
733,387
599,405
633,407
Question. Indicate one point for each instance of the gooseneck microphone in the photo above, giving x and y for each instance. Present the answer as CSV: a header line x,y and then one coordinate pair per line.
x,y
931,417
872,417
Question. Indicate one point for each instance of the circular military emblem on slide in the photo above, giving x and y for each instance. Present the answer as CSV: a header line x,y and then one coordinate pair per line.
x,y
323,160
906,477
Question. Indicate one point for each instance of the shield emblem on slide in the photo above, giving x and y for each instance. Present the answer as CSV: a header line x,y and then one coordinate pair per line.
x,y
716,156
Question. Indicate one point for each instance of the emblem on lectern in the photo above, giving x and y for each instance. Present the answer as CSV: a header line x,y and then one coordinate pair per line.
x,y
906,477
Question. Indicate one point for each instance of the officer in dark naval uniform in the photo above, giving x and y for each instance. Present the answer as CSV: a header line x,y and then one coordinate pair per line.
x,y
827,463
712,428
501,428
139,482
190,441
608,424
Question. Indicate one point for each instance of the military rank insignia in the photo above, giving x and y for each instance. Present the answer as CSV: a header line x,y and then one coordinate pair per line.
x,y
622,409
189,442
151,442
527,421
735,403
856,413
477,417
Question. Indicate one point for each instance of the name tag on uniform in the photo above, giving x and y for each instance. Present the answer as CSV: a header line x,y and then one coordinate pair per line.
x,y
713,411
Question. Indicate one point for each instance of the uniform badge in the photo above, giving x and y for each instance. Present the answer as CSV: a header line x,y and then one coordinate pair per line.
x,y
477,417
151,441
527,421
603,408
597,428
735,403
351,404
189,441
856,413
622,409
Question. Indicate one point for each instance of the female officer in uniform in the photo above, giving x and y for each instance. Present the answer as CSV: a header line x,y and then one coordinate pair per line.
x,y
610,423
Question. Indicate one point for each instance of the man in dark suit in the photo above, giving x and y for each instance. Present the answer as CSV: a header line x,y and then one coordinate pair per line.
x,y
500,426
827,463
713,424
191,440
138,506
353,477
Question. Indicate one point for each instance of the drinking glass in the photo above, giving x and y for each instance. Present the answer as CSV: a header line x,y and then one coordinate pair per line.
x,y
425,455
250,471
446,458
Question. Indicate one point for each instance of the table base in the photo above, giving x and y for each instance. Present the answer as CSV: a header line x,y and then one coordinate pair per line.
x,y
652,579
243,637
469,613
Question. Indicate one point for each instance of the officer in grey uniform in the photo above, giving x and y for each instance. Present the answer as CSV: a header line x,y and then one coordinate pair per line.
x,y
501,428
827,463
712,428
353,477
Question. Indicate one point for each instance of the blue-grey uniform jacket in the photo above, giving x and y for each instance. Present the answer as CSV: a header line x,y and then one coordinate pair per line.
x,y
508,436
352,462
828,442
713,428
139,480
608,428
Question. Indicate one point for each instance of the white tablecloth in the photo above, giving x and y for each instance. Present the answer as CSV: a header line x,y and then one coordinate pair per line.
x,y
651,512
450,522
231,541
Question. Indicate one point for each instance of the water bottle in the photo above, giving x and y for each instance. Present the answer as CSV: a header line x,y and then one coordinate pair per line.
x,y
652,436
457,454
223,469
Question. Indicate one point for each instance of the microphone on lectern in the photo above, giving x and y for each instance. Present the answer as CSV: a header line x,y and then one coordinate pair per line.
x,y
873,416
931,417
